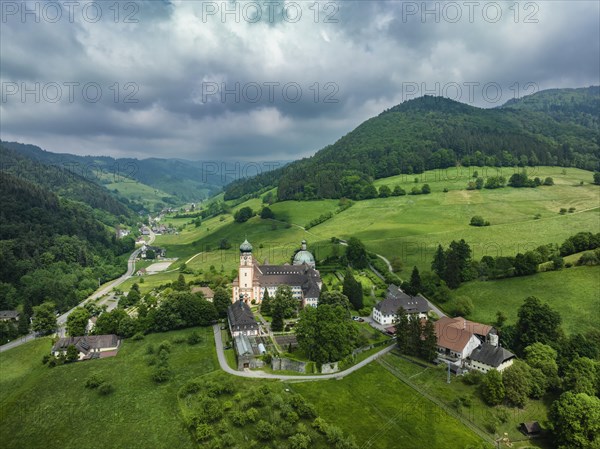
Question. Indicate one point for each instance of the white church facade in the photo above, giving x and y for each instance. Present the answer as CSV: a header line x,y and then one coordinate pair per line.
x,y
254,279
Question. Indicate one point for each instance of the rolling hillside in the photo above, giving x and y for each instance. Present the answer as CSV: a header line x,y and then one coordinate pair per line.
x,y
149,181
558,127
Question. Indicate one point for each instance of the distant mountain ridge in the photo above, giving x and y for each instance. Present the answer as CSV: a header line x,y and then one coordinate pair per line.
x,y
184,179
553,127
63,182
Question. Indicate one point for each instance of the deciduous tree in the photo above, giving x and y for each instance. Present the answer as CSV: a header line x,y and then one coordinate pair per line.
x,y
492,388
77,321
44,319
326,333
575,419
517,382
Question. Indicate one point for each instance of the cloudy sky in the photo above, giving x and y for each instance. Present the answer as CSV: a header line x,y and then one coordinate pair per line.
x,y
268,80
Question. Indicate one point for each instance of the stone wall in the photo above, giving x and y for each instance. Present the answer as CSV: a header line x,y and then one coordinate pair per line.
x,y
329,368
283,364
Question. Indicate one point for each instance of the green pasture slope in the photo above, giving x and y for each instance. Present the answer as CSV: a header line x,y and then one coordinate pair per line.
x,y
573,292
382,412
412,226
51,408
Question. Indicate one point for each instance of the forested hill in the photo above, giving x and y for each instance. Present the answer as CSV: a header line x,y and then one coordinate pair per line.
x,y
66,183
554,127
55,239
52,249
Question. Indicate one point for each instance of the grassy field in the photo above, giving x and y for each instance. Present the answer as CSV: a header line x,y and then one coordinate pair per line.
x,y
573,292
433,381
412,226
139,192
409,227
50,407
384,413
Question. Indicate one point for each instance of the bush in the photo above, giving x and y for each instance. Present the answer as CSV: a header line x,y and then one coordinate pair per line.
x,y
365,311
105,389
94,381
463,306
179,339
161,374
46,359
203,432
320,425
503,415
138,336
239,419
456,404
472,378
266,430
491,426
194,338
252,414
562,211
299,441
164,346
478,221
150,349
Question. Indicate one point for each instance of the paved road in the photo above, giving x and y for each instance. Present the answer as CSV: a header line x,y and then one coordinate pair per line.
x,y
62,319
262,375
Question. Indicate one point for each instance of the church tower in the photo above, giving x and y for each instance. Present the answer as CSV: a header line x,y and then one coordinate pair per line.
x,y
246,273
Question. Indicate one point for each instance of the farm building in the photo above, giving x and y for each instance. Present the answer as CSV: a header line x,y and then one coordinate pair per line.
x,y
89,346
241,320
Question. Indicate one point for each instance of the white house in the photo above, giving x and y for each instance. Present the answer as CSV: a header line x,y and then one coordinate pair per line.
x,y
385,312
489,356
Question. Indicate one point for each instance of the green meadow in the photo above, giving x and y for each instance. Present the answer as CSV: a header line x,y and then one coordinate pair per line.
x,y
382,412
410,227
493,421
51,408
573,292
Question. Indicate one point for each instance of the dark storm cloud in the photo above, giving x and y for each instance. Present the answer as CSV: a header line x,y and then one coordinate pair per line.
x,y
293,86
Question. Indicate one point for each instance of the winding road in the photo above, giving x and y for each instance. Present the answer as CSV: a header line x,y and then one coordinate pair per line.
x,y
299,378
62,319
